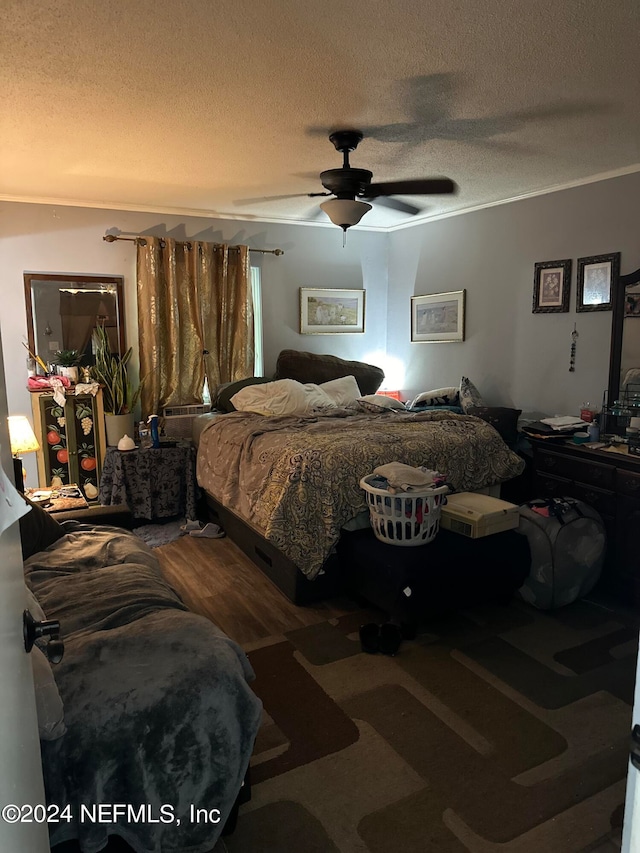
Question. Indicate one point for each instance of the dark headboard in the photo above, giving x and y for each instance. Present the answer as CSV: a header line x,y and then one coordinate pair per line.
x,y
318,368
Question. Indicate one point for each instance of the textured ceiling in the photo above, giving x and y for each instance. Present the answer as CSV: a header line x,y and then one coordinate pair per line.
x,y
200,105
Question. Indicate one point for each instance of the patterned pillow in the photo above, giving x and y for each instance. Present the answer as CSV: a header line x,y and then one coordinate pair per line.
x,y
469,395
377,403
439,397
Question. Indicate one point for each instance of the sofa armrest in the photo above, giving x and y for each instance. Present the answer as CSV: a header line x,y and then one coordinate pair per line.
x,y
118,515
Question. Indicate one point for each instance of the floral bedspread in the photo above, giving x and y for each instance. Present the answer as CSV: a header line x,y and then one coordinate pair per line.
x,y
297,478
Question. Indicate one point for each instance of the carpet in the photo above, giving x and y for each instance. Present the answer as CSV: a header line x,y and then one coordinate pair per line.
x,y
501,730
156,535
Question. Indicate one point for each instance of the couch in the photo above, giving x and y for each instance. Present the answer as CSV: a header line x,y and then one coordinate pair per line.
x,y
152,705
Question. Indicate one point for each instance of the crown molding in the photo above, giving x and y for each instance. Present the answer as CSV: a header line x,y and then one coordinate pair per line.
x,y
167,210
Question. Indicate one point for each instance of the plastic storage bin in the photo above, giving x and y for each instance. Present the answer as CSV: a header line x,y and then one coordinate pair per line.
x,y
404,518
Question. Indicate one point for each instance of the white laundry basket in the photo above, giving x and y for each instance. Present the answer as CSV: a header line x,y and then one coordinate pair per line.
x,y
404,518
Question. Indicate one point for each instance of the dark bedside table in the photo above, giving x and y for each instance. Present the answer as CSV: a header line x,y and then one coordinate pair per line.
x,y
153,482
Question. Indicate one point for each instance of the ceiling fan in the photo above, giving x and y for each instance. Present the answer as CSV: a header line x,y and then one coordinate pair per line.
x,y
349,185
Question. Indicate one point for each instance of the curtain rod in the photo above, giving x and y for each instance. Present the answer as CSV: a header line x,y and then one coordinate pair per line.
x,y
111,238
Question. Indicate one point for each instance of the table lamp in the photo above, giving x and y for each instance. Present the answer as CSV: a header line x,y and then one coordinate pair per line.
x,y
22,440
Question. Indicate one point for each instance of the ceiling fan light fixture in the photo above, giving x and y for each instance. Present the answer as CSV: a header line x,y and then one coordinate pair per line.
x,y
345,212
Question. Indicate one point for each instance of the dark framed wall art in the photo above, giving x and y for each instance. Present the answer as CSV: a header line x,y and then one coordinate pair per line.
x,y
551,287
596,278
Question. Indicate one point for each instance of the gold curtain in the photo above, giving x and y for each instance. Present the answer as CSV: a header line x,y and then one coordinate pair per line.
x,y
192,297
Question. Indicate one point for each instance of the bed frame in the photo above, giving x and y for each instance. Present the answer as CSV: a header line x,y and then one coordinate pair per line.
x,y
273,563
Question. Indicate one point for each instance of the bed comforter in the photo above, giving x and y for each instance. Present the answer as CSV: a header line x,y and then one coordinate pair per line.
x,y
296,479
157,705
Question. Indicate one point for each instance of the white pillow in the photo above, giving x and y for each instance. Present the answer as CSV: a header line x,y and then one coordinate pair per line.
x,y
317,397
344,391
439,397
282,397
377,403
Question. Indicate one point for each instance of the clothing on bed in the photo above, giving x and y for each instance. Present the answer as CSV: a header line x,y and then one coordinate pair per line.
x,y
296,479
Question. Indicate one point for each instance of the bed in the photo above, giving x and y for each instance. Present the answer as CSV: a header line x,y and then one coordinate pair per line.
x,y
286,486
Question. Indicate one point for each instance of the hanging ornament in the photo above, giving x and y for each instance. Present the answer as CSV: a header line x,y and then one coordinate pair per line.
x,y
572,359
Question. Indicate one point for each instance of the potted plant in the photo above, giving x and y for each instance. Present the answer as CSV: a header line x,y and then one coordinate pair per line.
x,y
67,361
118,394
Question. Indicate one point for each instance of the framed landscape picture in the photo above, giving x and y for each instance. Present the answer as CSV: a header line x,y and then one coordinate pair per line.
x,y
438,317
331,312
596,277
551,286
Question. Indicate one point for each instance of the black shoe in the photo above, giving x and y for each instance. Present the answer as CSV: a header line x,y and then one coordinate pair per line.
x,y
370,638
390,638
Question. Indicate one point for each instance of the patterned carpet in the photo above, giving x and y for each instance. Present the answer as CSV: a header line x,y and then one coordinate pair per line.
x,y
502,729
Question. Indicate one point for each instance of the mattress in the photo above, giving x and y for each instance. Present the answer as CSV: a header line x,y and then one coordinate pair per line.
x,y
295,479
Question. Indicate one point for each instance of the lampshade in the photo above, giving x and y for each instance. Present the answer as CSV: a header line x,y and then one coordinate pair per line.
x,y
345,212
21,436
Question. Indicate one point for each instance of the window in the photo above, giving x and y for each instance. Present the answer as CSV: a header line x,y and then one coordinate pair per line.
x,y
256,296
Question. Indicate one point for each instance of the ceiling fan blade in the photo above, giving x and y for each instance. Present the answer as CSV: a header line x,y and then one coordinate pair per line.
x,y
419,186
396,204
260,199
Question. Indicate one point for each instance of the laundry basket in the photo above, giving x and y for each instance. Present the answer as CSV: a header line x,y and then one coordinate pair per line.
x,y
404,518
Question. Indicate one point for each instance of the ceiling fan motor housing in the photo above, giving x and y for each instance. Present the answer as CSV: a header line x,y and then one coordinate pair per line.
x,y
346,183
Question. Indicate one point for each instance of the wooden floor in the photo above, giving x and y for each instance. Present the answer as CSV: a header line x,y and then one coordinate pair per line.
x,y
215,579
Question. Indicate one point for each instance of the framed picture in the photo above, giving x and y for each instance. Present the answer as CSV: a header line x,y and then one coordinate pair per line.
x,y
438,317
596,278
331,312
551,286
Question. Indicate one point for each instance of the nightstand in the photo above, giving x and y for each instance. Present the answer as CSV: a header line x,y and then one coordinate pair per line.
x,y
153,482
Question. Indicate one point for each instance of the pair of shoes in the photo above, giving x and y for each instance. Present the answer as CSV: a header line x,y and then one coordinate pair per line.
x,y
188,526
209,531
380,638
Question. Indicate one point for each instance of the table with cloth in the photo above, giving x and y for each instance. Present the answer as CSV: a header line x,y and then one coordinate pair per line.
x,y
154,482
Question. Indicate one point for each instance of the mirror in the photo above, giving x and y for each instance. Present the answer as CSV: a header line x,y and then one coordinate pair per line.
x,y
63,311
624,365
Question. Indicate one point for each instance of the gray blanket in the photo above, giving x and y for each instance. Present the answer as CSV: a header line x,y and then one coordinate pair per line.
x,y
157,705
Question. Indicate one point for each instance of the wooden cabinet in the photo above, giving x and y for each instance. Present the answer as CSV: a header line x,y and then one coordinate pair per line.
x,y
72,439
610,483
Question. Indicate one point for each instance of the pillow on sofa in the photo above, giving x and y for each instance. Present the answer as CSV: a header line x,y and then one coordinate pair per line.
x,y
320,368
501,418
282,397
469,395
49,707
344,391
222,398
438,397
376,403
38,530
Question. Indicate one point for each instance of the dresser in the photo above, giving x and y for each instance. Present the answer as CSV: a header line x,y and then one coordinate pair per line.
x,y
610,483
